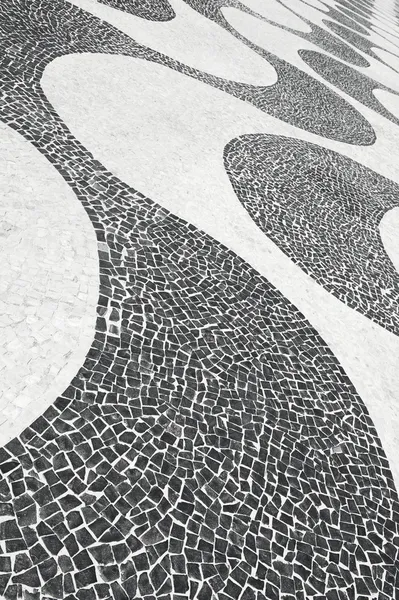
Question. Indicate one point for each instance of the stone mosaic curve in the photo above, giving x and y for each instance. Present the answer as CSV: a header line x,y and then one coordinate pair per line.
x,y
49,284
319,36
324,213
323,38
360,87
211,446
350,17
350,37
355,39
365,22
348,21
136,480
327,114
153,10
357,9
296,98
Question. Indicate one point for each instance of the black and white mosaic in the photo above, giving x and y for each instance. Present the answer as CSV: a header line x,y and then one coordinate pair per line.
x,y
355,84
354,25
358,20
357,10
324,213
153,10
359,25
317,35
303,96
296,98
210,443
211,446
355,39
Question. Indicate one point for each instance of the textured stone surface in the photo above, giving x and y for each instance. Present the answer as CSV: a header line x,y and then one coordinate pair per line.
x,y
211,444
324,213
49,284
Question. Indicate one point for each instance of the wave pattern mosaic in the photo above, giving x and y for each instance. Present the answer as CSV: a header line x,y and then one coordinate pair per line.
x,y
189,410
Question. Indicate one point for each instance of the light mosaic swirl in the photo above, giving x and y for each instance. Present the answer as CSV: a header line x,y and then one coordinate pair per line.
x,y
49,284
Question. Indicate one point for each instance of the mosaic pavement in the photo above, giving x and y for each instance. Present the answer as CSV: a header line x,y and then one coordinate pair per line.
x,y
199,365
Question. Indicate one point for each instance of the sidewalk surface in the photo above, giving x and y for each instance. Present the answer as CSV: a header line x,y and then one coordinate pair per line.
x,y
199,300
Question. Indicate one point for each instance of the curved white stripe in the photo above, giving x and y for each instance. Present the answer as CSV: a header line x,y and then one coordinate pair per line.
x,y
286,45
389,229
390,101
278,13
191,39
315,4
386,41
48,286
390,59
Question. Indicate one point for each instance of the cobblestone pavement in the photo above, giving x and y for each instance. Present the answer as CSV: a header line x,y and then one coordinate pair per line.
x,y
199,352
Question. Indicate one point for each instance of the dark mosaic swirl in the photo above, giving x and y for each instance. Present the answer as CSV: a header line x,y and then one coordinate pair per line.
x,y
355,84
356,40
296,98
319,36
348,21
211,446
366,22
326,41
359,8
359,20
352,11
324,213
367,10
153,10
